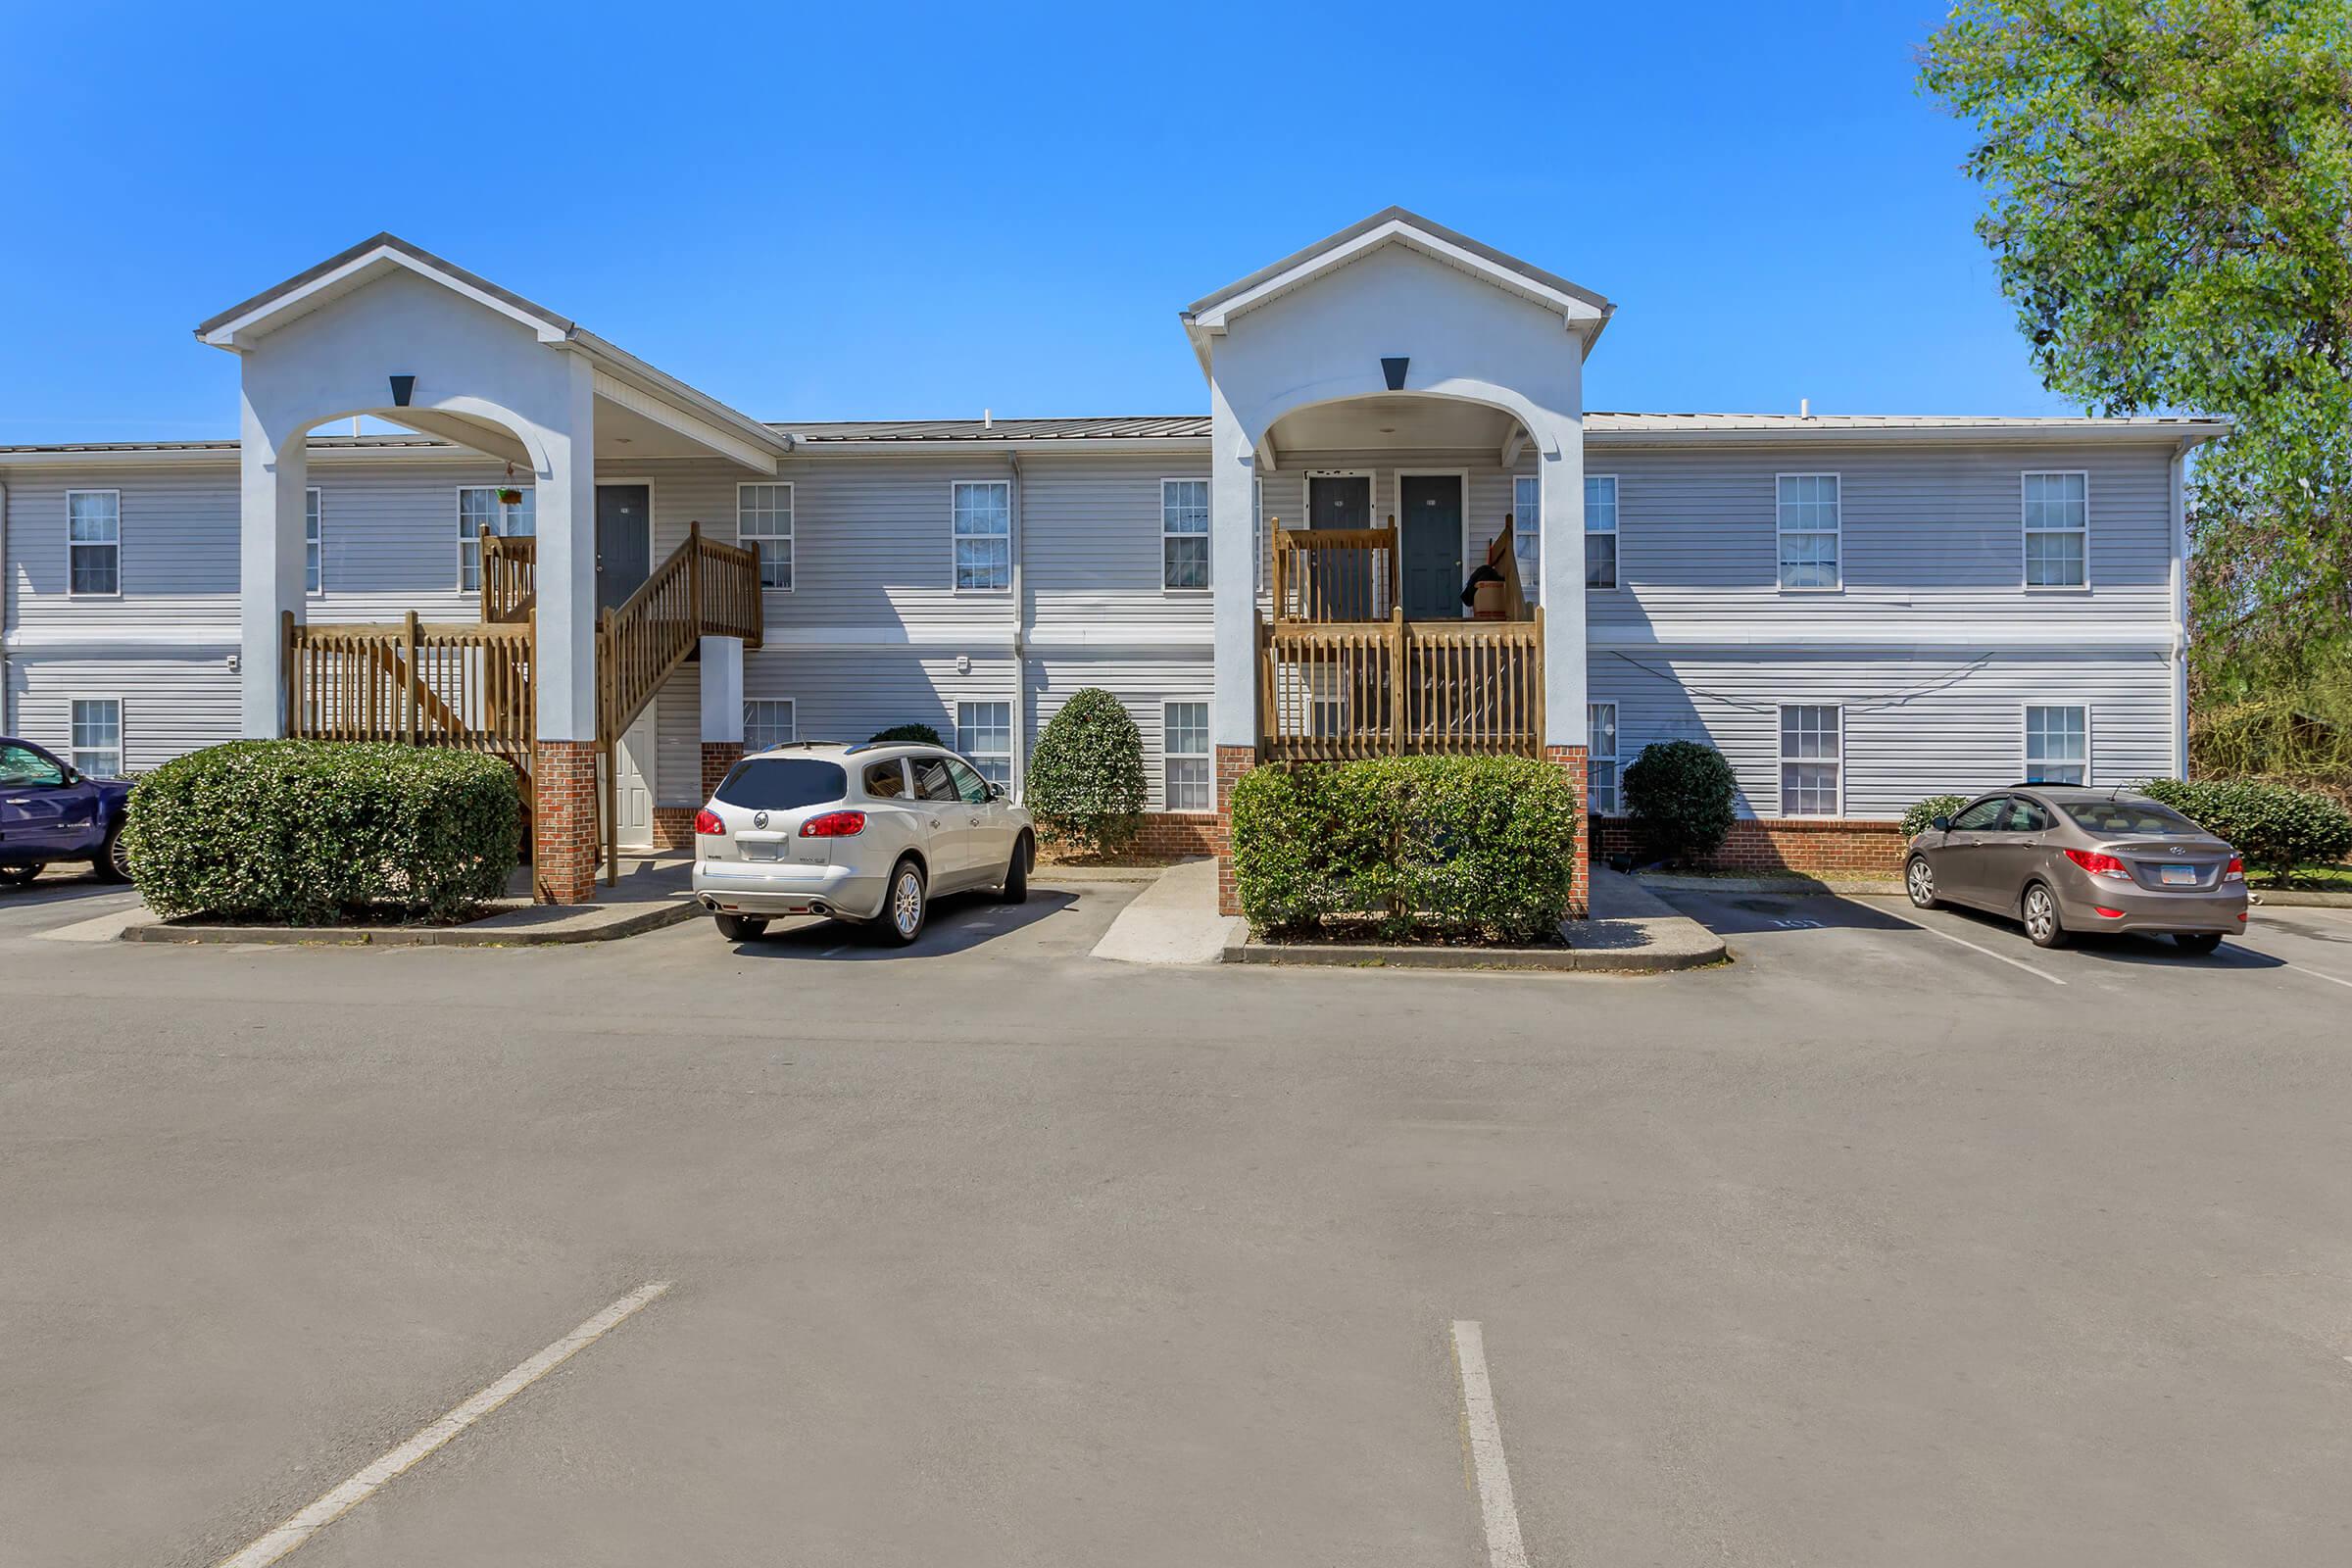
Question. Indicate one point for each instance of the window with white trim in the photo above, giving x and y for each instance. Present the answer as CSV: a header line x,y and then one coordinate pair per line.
x,y
313,556
764,526
1808,530
2058,744
1182,533
1185,782
1527,535
1601,760
984,735
769,722
479,508
93,542
1812,754
2057,519
98,736
983,523
1601,531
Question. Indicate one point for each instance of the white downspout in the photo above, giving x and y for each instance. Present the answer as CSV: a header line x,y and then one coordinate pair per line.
x,y
1020,638
2179,585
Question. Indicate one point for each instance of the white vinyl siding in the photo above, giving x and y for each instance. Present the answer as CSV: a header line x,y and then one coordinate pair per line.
x,y
983,529
1600,766
769,722
1182,533
97,736
94,543
2057,744
1187,784
1527,534
1812,752
1601,531
2057,523
479,508
314,543
1809,531
984,735
764,526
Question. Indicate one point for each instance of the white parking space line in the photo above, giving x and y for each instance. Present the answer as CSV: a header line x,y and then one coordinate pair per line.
x,y
2000,957
289,1536
1497,1511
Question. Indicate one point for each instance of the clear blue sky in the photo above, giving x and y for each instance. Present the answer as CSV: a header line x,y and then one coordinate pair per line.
x,y
873,210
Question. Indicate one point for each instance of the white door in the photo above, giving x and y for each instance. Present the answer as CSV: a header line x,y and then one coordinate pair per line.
x,y
633,782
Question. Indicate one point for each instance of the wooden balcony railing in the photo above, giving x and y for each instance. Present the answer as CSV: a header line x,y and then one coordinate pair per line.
x,y
1334,574
1337,691
421,683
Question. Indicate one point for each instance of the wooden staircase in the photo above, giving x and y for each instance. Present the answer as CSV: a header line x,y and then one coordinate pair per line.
x,y
471,686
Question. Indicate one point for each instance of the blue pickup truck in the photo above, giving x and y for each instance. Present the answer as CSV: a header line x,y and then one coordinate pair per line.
x,y
49,812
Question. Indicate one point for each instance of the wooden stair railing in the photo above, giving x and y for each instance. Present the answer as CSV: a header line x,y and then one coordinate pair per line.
x,y
510,577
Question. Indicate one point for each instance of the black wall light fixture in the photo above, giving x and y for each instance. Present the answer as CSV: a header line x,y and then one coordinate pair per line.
x,y
1393,370
401,386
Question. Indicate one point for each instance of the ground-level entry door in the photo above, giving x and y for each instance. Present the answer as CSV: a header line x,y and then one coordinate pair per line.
x,y
1430,508
633,782
624,541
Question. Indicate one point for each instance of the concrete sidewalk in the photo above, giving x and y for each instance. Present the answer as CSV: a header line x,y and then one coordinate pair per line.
x,y
1174,920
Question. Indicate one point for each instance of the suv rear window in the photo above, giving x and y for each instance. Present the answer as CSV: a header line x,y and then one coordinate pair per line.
x,y
2128,817
783,783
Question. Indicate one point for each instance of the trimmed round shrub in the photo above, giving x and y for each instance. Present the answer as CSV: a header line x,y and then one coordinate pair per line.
x,y
1916,819
324,832
1456,848
1680,794
1086,778
2275,826
908,735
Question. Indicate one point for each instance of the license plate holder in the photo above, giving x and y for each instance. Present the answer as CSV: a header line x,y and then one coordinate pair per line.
x,y
763,850
2177,877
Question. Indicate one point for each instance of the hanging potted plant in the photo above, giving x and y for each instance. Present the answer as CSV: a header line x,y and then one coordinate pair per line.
x,y
508,496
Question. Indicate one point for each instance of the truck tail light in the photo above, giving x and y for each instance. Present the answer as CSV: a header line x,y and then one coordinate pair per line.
x,y
2100,864
834,825
708,825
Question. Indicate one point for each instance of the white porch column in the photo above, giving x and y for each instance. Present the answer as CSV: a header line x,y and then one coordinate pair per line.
x,y
275,478
1232,576
566,568
722,691
1562,470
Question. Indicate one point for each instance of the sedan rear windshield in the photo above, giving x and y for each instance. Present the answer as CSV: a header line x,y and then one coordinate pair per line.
x,y
2128,817
783,783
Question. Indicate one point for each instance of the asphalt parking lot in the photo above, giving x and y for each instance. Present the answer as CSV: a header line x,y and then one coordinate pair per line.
x,y
1896,1240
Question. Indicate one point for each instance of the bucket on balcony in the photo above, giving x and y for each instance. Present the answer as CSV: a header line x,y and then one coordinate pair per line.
x,y
1491,601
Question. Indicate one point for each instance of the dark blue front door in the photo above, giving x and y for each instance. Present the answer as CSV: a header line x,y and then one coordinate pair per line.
x,y
1431,520
624,541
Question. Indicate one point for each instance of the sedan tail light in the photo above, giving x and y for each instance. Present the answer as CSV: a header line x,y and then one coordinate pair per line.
x,y
2100,864
833,825
707,823
2236,870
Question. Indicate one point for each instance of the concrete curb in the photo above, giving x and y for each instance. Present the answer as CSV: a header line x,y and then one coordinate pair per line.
x,y
1764,883
1374,956
632,922
2291,897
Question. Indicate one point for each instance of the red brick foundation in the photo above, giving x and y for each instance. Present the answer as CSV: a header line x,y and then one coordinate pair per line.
x,y
563,847
1231,762
1178,834
1810,846
1573,759
674,825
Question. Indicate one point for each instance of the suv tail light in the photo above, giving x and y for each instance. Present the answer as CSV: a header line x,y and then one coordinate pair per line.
x,y
708,825
2100,864
2236,870
833,825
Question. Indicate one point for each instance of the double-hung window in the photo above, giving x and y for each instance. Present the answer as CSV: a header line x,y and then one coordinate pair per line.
x,y
1527,535
93,542
1184,533
2058,745
1184,758
1600,766
1812,758
984,735
1808,530
983,510
2057,530
1601,531
769,722
764,526
98,736
479,508
314,554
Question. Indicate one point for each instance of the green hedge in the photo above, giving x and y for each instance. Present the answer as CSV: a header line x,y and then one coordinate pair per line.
x,y
908,735
322,832
2274,826
1463,847
1679,795
1916,819
1085,784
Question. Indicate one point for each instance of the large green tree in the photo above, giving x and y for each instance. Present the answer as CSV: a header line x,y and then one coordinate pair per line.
x,y
2171,209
